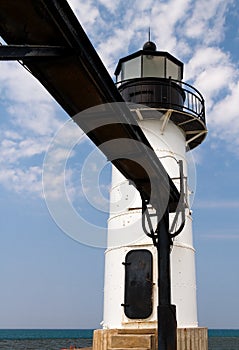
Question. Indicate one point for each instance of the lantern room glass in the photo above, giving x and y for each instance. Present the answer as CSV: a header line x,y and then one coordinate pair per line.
x,y
131,69
145,66
172,70
153,66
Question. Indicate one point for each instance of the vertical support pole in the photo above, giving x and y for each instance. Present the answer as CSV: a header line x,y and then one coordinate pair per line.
x,y
167,323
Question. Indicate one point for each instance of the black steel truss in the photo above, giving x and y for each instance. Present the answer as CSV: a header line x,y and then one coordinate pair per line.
x,y
32,52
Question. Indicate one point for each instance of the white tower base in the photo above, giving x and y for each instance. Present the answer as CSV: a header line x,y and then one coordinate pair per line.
x,y
125,234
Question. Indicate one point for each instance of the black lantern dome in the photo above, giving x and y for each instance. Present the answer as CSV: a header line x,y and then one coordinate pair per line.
x,y
150,46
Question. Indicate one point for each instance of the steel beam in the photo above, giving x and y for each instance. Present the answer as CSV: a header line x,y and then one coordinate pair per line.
x,y
31,52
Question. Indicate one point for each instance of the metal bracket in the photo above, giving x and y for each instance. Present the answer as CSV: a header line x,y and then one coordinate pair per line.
x,y
146,215
181,205
199,134
166,118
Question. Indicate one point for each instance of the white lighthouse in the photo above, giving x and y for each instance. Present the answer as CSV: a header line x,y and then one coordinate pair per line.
x,y
172,116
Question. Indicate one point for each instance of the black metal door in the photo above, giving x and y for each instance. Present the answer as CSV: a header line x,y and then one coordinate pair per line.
x,y
138,284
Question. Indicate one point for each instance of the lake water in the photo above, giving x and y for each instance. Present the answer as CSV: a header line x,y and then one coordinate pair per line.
x,y
57,339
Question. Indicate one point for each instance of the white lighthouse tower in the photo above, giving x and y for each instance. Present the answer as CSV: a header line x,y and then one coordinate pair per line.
x,y
171,114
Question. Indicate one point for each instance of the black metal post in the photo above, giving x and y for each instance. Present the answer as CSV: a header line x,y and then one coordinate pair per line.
x,y
167,323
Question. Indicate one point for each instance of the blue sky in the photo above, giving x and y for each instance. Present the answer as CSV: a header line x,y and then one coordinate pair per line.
x,y
49,280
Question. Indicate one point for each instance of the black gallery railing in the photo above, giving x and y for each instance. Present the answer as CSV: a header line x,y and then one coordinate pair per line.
x,y
164,93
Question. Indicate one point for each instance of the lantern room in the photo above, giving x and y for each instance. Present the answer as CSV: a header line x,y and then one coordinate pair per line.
x,y
154,79
149,63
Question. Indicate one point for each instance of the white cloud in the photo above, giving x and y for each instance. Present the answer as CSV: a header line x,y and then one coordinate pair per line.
x,y
28,121
205,57
166,20
108,49
37,118
18,85
22,181
86,11
109,5
225,119
206,21
15,151
212,72
12,135
58,175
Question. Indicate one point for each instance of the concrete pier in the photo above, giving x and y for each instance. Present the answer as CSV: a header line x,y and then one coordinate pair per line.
x,y
146,339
